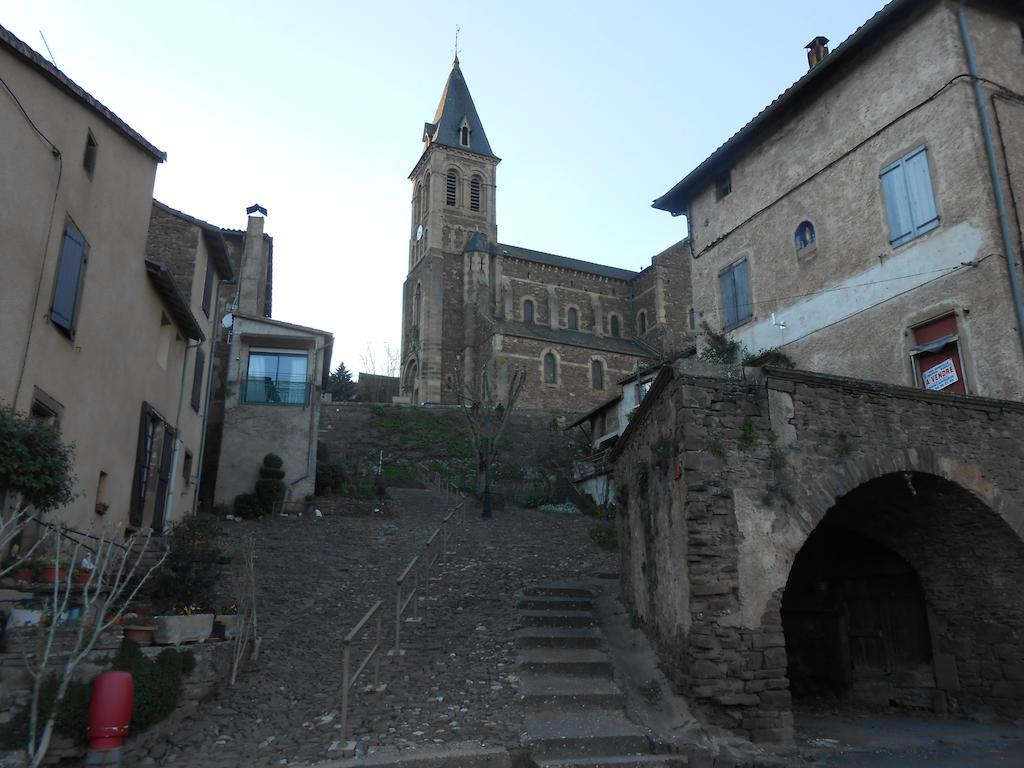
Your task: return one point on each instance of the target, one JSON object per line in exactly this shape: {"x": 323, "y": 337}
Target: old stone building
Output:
{"x": 794, "y": 537}
{"x": 867, "y": 221}
{"x": 485, "y": 307}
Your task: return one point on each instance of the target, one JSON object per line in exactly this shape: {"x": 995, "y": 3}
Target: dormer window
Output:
{"x": 464, "y": 134}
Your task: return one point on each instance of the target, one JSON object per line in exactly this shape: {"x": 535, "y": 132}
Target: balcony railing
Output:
{"x": 590, "y": 466}
{"x": 280, "y": 391}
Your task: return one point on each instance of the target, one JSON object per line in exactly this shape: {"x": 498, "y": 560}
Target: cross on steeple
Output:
{"x": 457, "y": 44}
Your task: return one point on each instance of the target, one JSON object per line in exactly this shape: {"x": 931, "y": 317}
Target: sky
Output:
{"x": 315, "y": 110}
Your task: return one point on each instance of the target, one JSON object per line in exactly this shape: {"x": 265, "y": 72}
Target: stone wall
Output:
{"x": 726, "y": 477}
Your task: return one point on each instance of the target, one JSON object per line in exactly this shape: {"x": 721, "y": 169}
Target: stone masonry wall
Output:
{"x": 726, "y": 477}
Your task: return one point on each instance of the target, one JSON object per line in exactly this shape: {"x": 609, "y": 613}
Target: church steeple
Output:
{"x": 456, "y": 122}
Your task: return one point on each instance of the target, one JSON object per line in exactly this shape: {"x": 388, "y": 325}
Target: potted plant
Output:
{"x": 184, "y": 587}
{"x": 138, "y": 627}
{"x": 225, "y": 623}
{"x": 53, "y": 569}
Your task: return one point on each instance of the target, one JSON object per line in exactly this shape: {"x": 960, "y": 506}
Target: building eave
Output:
{"x": 173, "y": 301}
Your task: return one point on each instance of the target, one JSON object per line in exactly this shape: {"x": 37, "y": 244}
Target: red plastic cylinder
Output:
{"x": 110, "y": 712}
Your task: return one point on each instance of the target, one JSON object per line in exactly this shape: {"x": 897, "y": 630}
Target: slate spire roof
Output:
{"x": 456, "y": 106}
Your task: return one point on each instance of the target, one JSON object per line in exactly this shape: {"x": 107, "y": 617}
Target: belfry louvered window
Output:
{"x": 474, "y": 193}
{"x": 451, "y": 190}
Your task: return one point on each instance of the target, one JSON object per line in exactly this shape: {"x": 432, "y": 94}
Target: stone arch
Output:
{"x": 547, "y": 355}
{"x": 529, "y": 314}
{"x": 908, "y": 590}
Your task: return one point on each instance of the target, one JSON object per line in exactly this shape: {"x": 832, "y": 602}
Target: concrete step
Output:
{"x": 544, "y": 603}
{"x": 559, "y": 637}
{"x": 568, "y": 693}
{"x": 559, "y": 590}
{"x": 567, "y": 661}
{"x": 586, "y": 733}
{"x": 621, "y": 761}
{"x": 557, "y": 618}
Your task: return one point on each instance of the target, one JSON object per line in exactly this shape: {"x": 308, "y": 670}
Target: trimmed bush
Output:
{"x": 273, "y": 461}
{"x": 247, "y": 506}
{"x": 270, "y": 488}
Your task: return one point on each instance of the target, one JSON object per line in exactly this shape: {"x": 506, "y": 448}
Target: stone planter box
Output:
{"x": 231, "y": 624}
{"x": 175, "y": 630}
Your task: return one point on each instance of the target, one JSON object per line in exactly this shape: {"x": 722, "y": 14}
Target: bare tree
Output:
{"x": 13, "y": 521}
{"x": 385, "y": 360}
{"x": 487, "y": 416}
{"x": 247, "y": 624}
{"x": 112, "y": 585}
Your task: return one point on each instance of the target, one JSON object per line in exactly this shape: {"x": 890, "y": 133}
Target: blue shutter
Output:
{"x": 742, "y": 279}
{"x": 728, "y": 297}
{"x": 924, "y": 215}
{"x": 897, "y": 203}
{"x": 69, "y": 275}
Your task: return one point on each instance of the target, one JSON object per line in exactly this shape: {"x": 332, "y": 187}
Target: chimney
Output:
{"x": 817, "y": 50}
{"x": 252, "y": 278}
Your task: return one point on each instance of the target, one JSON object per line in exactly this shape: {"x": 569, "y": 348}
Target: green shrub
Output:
{"x": 190, "y": 573}
{"x": 561, "y": 509}
{"x": 273, "y": 461}
{"x": 270, "y": 488}
{"x": 533, "y": 496}
{"x": 72, "y": 717}
{"x": 604, "y": 536}
{"x": 247, "y": 506}
{"x": 158, "y": 682}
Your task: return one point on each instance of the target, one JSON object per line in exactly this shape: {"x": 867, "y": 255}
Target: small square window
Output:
{"x": 723, "y": 185}
{"x": 89, "y": 158}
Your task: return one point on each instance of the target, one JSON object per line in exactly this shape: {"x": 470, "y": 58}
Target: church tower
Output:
{"x": 453, "y": 203}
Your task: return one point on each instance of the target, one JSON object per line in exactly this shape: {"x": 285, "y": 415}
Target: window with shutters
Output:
{"x": 614, "y": 326}
{"x": 550, "y": 368}
{"x": 597, "y": 374}
{"x": 451, "y": 195}
{"x": 528, "y": 311}
{"x": 572, "y": 320}
{"x": 474, "y": 193}
{"x": 197, "y": 379}
{"x": 211, "y": 275}
{"x": 67, "y": 289}
{"x": 909, "y": 197}
{"x": 734, "y": 282}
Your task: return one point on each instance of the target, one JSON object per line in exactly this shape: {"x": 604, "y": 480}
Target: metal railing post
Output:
{"x": 376, "y": 656}
{"x": 345, "y": 685}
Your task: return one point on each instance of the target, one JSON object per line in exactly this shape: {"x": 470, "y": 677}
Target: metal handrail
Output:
{"x": 401, "y": 605}
{"x": 348, "y": 680}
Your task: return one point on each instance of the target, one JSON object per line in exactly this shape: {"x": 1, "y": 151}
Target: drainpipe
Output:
{"x": 997, "y": 188}
{"x": 169, "y": 503}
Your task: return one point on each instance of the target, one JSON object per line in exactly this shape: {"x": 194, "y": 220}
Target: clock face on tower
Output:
{"x": 419, "y": 232}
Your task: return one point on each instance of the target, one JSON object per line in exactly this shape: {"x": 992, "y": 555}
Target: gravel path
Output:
{"x": 317, "y": 576}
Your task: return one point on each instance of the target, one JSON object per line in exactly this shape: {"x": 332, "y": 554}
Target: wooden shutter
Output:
{"x": 197, "y": 379}
{"x": 208, "y": 287}
{"x": 897, "y": 204}
{"x": 69, "y": 277}
{"x": 140, "y": 475}
{"x": 742, "y": 280}
{"x": 924, "y": 215}
{"x": 163, "y": 477}
{"x": 728, "y": 286}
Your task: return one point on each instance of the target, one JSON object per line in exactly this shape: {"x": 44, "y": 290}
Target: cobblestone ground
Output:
{"x": 456, "y": 681}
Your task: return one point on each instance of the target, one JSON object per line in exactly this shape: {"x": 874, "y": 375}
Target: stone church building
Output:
{"x": 488, "y": 308}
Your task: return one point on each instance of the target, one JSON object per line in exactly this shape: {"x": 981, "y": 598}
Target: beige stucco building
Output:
{"x": 100, "y": 333}
{"x": 272, "y": 376}
{"x": 487, "y": 308}
{"x": 855, "y": 223}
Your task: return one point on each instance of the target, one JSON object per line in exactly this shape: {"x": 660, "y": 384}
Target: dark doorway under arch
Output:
{"x": 909, "y": 593}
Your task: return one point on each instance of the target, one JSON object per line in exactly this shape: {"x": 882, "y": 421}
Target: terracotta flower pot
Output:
{"x": 140, "y": 634}
{"x": 82, "y": 575}
{"x": 25, "y": 574}
{"x": 51, "y": 573}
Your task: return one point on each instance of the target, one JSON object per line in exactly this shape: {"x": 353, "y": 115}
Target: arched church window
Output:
{"x": 550, "y": 369}
{"x": 573, "y": 319}
{"x": 616, "y": 331}
{"x": 596, "y": 374}
{"x": 418, "y": 205}
{"x": 474, "y": 193}
{"x": 451, "y": 188}
{"x": 417, "y": 303}
{"x": 528, "y": 311}
{"x": 641, "y": 324}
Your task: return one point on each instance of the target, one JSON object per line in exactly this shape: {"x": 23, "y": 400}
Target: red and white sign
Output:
{"x": 940, "y": 376}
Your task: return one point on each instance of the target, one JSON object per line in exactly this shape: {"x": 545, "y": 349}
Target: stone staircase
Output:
{"x": 575, "y": 711}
